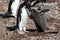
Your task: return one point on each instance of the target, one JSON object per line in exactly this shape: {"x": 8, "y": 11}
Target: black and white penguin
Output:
{"x": 22, "y": 17}
{"x": 12, "y": 8}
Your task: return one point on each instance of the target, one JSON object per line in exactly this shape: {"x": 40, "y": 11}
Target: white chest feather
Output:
{"x": 14, "y": 7}
{"x": 23, "y": 22}
{"x": 24, "y": 16}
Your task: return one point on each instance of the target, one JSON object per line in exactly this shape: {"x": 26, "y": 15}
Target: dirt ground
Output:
{"x": 13, "y": 35}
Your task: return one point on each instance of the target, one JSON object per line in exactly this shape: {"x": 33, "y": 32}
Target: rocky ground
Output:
{"x": 13, "y": 35}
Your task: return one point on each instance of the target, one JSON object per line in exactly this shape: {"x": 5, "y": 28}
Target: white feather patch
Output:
{"x": 14, "y": 7}
{"x": 23, "y": 22}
